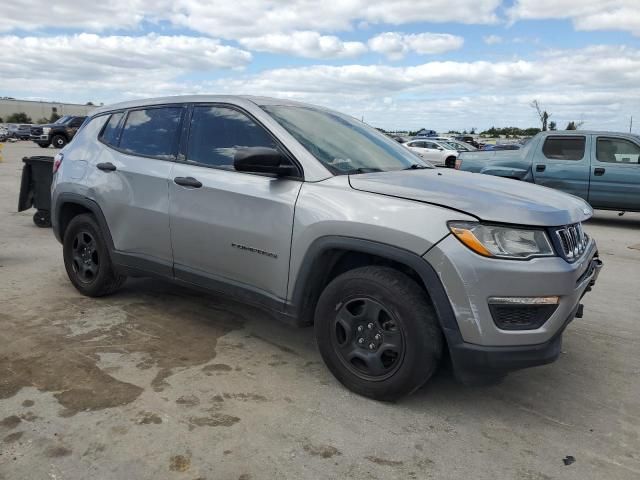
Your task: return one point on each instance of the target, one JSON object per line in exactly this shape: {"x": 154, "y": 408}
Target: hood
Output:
{"x": 488, "y": 198}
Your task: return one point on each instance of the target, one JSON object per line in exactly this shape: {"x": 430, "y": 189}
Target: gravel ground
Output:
{"x": 159, "y": 382}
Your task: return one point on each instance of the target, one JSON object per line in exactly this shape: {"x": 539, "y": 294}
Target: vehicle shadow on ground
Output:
{"x": 630, "y": 222}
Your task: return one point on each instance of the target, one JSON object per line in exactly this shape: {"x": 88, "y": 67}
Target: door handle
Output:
{"x": 187, "y": 182}
{"x": 106, "y": 167}
{"x": 540, "y": 168}
{"x": 598, "y": 172}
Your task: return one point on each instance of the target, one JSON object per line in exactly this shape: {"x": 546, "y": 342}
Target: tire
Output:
{"x": 450, "y": 162}
{"x": 44, "y": 145}
{"x": 42, "y": 219}
{"x": 402, "y": 317}
{"x": 59, "y": 141}
{"x": 89, "y": 269}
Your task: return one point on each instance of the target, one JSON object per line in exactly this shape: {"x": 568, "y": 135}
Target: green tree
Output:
{"x": 20, "y": 117}
{"x": 574, "y": 125}
{"x": 42, "y": 121}
{"x": 553, "y": 126}
{"x": 1, "y": 120}
{"x": 54, "y": 116}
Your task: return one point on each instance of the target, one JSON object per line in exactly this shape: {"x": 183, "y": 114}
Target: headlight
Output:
{"x": 46, "y": 130}
{"x": 502, "y": 242}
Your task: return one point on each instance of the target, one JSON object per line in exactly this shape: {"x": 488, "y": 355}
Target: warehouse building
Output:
{"x": 37, "y": 109}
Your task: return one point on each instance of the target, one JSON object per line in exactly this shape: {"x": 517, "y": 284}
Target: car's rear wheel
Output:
{"x": 378, "y": 333}
{"x": 59, "y": 141}
{"x": 86, "y": 258}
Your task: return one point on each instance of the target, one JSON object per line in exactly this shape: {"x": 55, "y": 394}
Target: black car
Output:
{"x": 57, "y": 134}
{"x": 467, "y": 139}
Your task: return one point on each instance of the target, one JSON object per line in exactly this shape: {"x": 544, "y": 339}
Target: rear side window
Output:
{"x": 617, "y": 150}
{"x": 216, "y": 133}
{"x": 110, "y": 132}
{"x": 564, "y": 148}
{"x": 152, "y": 132}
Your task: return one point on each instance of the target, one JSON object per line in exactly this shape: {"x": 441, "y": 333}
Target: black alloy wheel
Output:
{"x": 368, "y": 339}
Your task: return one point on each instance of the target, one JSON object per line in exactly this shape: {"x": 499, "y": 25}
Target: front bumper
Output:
{"x": 477, "y": 346}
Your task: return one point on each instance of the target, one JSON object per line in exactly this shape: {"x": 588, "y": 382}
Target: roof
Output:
{"x": 235, "y": 99}
{"x": 585, "y": 132}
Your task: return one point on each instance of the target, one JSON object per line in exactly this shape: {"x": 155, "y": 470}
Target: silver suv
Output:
{"x": 322, "y": 220}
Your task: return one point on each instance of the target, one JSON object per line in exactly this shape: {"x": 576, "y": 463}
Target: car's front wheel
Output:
{"x": 378, "y": 333}
{"x": 86, "y": 258}
{"x": 59, "y": 141}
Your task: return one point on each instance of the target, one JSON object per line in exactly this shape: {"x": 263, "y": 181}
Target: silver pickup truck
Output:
{"x": 323, "y": 220}
{"x": 601, "y": 167}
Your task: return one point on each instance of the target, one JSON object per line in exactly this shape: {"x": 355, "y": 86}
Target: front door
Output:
{"x": 562, "y": 163}
{"x": 230, "y": 230}
{"x": 615, "y": 174}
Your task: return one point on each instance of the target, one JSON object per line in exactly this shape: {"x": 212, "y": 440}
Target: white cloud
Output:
{"x": 242, "y": 18}
{"x": 396, "y": 45}
{"x": 304, "y": 44}
{"x": 492, "y": 39}
{"x": 68, "y": 65}
{"x": 585, "y": 14}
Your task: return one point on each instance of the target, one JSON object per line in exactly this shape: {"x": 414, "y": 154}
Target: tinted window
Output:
{"x": 217, "y": 132}
{"x": 617, "y": 150}
{"x": 76, "y": 122}
{"x": 564, "y": 148}
{"x": 151, "y": 132}
{"x": 110, "y": 132}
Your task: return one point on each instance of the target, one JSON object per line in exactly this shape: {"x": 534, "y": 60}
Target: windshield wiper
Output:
{"x": 415, "y": 166}
{"x": 363, "y": 170}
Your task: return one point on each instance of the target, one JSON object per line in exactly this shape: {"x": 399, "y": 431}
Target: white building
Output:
{"x": 37, "y": 110}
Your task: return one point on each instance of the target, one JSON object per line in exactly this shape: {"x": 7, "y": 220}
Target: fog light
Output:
{"x": 522, "y": 313}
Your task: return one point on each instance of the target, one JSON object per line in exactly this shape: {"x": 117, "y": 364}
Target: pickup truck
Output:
{"x": 58, "y": 133}
{"x": 601, "y": 167}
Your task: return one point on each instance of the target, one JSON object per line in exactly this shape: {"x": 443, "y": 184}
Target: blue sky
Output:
{"x": 443, "y": 64}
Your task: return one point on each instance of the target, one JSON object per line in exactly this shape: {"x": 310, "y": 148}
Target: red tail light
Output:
{"x": 57, "y": 161}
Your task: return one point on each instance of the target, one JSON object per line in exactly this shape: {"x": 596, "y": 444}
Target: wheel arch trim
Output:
{"x": 66, "y": 198}
{"x": 304, "y": 280}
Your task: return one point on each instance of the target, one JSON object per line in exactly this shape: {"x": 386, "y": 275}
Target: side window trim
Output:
{"x": 176, "y": 140}
{"x": 183, "y": 151}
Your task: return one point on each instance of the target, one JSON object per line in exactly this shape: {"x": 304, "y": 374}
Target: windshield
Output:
{"x": 343, "y": 144}
{"x": 64, "y": 119}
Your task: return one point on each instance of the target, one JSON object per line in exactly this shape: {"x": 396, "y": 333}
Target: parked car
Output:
{"x": 323, "y": 220}
{"x": 439, "y": 154}
{"x": 19, "y": 131}
{"x": 4, "y": 134}
{"x": 58, "y": 133}
{"x": 461, "y": 146}
{"x": 501, "y": 146}
{"x": 600, "y": 167}
{"x": 467, "y": 139}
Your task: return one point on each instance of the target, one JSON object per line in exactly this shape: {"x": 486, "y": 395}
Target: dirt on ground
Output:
{"x": 157, "y": 382}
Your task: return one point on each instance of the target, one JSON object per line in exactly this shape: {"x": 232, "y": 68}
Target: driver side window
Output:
{"x": 216, "y": 133}
{"x": 617, "y": 150}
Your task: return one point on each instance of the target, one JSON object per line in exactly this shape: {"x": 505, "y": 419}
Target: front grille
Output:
{"x": 521, "y": 317}
{"x": 573, "y": 241}
{"x": 36, "y": 131}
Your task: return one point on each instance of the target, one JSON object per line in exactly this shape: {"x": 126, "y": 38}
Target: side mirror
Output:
{"x": 263, "y": 160}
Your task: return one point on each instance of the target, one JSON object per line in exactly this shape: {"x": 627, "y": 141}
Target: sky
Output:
{"x": 438, "y": 64}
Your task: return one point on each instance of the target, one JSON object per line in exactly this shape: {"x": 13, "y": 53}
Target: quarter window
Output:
{"x": 216, "y": 133}
{"x": 110, "y": 132}
{"x": 152, "y": 132}
{"x": 564, "y": 148}
{"x": 617, "y": 150}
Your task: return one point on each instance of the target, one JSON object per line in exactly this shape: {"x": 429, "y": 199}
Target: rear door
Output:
{"x": 561, "y": 162}
{"x": 615, "y": 173}
{"x": 230, "y": 230}
{"x": 130, "y": 180}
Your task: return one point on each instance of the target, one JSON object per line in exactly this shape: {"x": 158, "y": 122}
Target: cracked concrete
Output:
{"x": 160, "y": 382}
